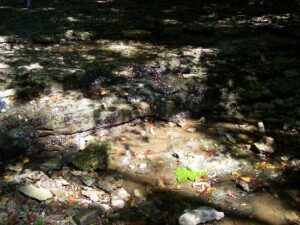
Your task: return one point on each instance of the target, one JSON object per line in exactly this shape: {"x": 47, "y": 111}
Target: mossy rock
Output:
{"x": 94, "y": 156}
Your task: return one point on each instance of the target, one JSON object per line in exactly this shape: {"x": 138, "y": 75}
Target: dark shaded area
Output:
{"x": 256, "y": 64}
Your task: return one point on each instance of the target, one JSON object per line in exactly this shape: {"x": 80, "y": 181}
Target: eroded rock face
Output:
{"x": 59, "y": 120}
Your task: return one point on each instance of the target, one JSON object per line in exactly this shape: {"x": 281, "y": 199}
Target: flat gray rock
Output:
{"x": 263, "y": 148}
{"x": 88, "y": 181}
{"x": 106, "y": 186}
{"x": 201, "y": 215}
{"x": 32, "y": 191}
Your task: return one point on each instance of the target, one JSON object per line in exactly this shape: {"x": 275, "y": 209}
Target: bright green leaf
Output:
{"x": 192, "y": 175}
{"x": 184, "y": 174}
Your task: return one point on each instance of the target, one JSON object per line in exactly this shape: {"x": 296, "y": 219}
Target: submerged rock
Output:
{"x": 201, "y": 215}
{"x": 32, "y": 191}
{"x": 94, "y": 156}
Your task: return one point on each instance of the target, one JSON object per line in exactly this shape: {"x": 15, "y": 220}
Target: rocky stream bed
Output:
{"x": 136, "y": 112}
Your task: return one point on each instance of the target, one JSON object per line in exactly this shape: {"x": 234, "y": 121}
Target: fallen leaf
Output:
{"x": 149, "y": 125}
{"x": 31, "y": 217}
{"x": 209, "y": 189}
{"x": 246, "y": 179}
{"x": 71, "y": 200}
{"x": 148, "y": 153}
{"x": 236, "y": 174}
{"x": 202, "y": 179}
{"x": 205, "y": 191}
{"x": 25, "y": 160}
{"x": 264, "y": 165}
{"x": 118, "y": 152}
{"x": 197, "y": 149}
{"x": 284, "y": 165}
{"x": 161, "y": 182}
{"x": 210, "y": 153}
{"x": 183, "y": 174}
{"x": 103, "y": 92}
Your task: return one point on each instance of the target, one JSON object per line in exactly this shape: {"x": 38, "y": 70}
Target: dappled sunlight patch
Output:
{"x": 88, "y": 57}
{"x": 33, "y": 66}
{"x": 103, "y": 1}
{"x": 72, "y": 19}
{"x": 266, "y": 20}
{"x": 4, "y": 66}
{"x": 45, "y": 9}
{"x": 122, "y": 48}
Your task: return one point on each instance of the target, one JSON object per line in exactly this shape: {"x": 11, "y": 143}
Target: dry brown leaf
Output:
{"x": 148, "y": 153}
{"x": 149, "y": 125}
{"x": 25, "y": 160}
{"x": 236, "y": 174}
{"x": 265, "y": 165}
{"x": 162, "y": 182}
{"x": 118, "y": 152}
{"x": 207, "y": 190}
{"x": 103, "y": 92}
{"x": 71, "y": 200}
{"x": 210, "y": 153}
{"x": 31, "y": 217}
{"x": 246, "y": 179}
{"x": 197, "y": 149}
